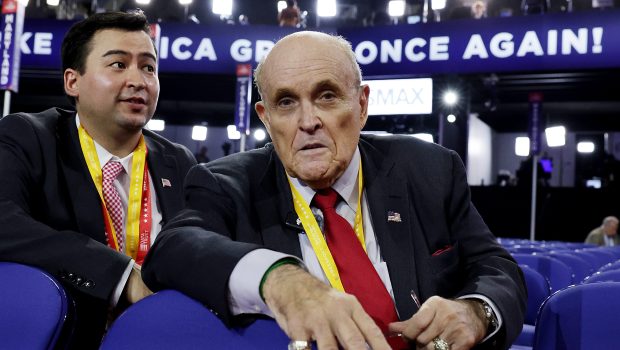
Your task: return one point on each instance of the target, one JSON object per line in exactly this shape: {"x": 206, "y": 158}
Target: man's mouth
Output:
{"x": 135, "y": 100}
{"x": 312, "y": 146}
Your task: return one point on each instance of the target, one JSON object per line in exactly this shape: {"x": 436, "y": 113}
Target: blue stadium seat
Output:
{"x": 580, "y": 317}
{"x": 171, "y": 320}
{"x": 527, "y": 249}
{"x": 581, "y": 267}
{"x": 557, "y": 273}
{"x": 594, "y": 256}
{"x": 606, "y": 276}
{"x": 537, "y": 291}
{"x": 33, "y": 308}
{"x": 612, "y": 266}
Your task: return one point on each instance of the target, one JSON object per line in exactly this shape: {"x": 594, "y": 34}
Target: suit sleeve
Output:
{"x": 195, "y": 253}
{"x": 490, "y": 270}
{"x": 73, "y": 258}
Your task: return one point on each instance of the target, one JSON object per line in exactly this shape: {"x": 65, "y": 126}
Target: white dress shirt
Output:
{"x": 122, "y": 187}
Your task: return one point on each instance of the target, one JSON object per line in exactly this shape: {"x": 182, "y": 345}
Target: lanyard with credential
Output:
{"x": 317, "y": 240}
{"x": 138, "y": 230}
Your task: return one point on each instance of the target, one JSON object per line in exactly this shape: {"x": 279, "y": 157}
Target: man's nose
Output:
{"x": 310, "y": 120}
{"x": 135, "y": 78}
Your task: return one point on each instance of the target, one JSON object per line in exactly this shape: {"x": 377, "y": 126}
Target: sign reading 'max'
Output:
{"x": 400, "y": 96}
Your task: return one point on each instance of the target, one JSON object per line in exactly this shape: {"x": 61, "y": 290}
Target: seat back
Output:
{"x": 527, "y": 249}
{"x": 581, "y": 267}
{"x": 594, "y": 257}
{"x": 537, "y": 291}
{"x": 580, "y": 317}
{"x": 610, "y": 275}
{"x": 612, "y": 266}
{"x": 171, "y": 320}
{"x": 557, "y": 273}
{"x": 33, "y": 308}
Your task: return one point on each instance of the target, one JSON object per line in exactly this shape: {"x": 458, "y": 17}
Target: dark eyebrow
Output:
{"x": 282, "y": 92}
{"x": 125, "y": 53}
{"x": 327, "y": 85}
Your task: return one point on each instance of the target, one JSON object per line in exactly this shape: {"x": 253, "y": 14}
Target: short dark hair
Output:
{"x": 77, "y": 42}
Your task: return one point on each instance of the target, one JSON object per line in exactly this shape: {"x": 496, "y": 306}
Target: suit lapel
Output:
{"x": 162, "y": 168}
{"x": 82, "y": 191}
{"x": 274, "y": 205}
{"x": 389, "y": 204}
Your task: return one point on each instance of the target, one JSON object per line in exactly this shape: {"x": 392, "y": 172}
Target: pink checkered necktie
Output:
{"x": 112, "y": 200}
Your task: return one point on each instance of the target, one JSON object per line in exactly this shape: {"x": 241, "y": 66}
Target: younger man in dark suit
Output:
{"x": 83, "y": 194}
{"x": 395, "y": 222}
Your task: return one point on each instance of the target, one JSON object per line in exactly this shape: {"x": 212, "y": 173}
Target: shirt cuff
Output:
{"x": 498, "y": 316}
{"x": 244, "y": 282}
{"x": 118, "y": 290}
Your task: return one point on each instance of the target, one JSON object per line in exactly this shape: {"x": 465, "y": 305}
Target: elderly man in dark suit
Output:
{"x": 83, "y": 195}
{"x": 337, "y": 236}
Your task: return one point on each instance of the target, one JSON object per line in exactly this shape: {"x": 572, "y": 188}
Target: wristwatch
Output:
{"x": 490, "y": 316}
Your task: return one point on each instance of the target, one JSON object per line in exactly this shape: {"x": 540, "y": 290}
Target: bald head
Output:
{"x": 312, "y": 105}
{"x": 300, "y": 44}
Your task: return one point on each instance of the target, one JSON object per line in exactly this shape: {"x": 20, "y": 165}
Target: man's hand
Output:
{"x": 135, "y": 289}
{"x": 461, "y": 323}
{"x": 308, "y": 309}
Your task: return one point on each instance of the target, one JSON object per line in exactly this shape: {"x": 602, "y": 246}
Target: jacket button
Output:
{"x": 88, "y": 284}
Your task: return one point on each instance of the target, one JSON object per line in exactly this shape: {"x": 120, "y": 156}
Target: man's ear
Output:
{"x": 261, "y": 110}
{"x": 363, "y": 100}
{"x": 71, "y": 80}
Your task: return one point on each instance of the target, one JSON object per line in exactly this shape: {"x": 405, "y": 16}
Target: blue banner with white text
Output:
{"x": 11, "y": 24}
{"x": 243, "y": 97}
{"x": 567, "y": 41}
{"x": 527, "y": 43}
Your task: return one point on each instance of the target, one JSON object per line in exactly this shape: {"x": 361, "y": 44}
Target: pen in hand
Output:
{"x": 416, "y": 300}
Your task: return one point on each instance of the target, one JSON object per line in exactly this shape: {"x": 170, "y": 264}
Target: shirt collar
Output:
{"x": 346, "y": 184}
{"x": 105, "y": 156}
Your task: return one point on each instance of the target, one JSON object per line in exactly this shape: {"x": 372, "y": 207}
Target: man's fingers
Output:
{"x": 419, "y": 322}
{"x": 347, "y": 333}
{"x": 370, "y": 331}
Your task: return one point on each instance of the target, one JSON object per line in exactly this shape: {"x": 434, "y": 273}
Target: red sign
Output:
{"x": 9, "y": 6}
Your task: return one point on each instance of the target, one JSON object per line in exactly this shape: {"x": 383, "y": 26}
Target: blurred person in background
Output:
{"x": 478, "y": 9}
{"x": 290, "y": 15}
{"x": 606, "y": 234}
{"x": 202, "y": 156}
{"x": 67, "y": 177}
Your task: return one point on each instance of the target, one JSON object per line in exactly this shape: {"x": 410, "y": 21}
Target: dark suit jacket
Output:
{"x": 246, "y": 198}
{"x": 51, "y": 215}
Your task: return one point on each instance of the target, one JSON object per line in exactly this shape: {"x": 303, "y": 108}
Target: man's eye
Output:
{"x": 328, "y": 96}
{"x": 285, "y": 102}
{"x": 118, "y": 65}
{"x": 149, "y": 68}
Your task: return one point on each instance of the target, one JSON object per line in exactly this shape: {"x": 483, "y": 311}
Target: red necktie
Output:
{"x": 356, "y": 271}
{"x": 113, "y": 203}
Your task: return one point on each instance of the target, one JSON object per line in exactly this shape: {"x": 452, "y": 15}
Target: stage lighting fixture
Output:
{"x": 156, "y": 125}
{"x": 522, "y": 146}
{"x": 556, "y": 136}
{"x": 199, "y": 133}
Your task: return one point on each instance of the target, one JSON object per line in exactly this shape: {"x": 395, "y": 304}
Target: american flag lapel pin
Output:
{"x": 165, "y": 183}
{"x": 393, "y": 216}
